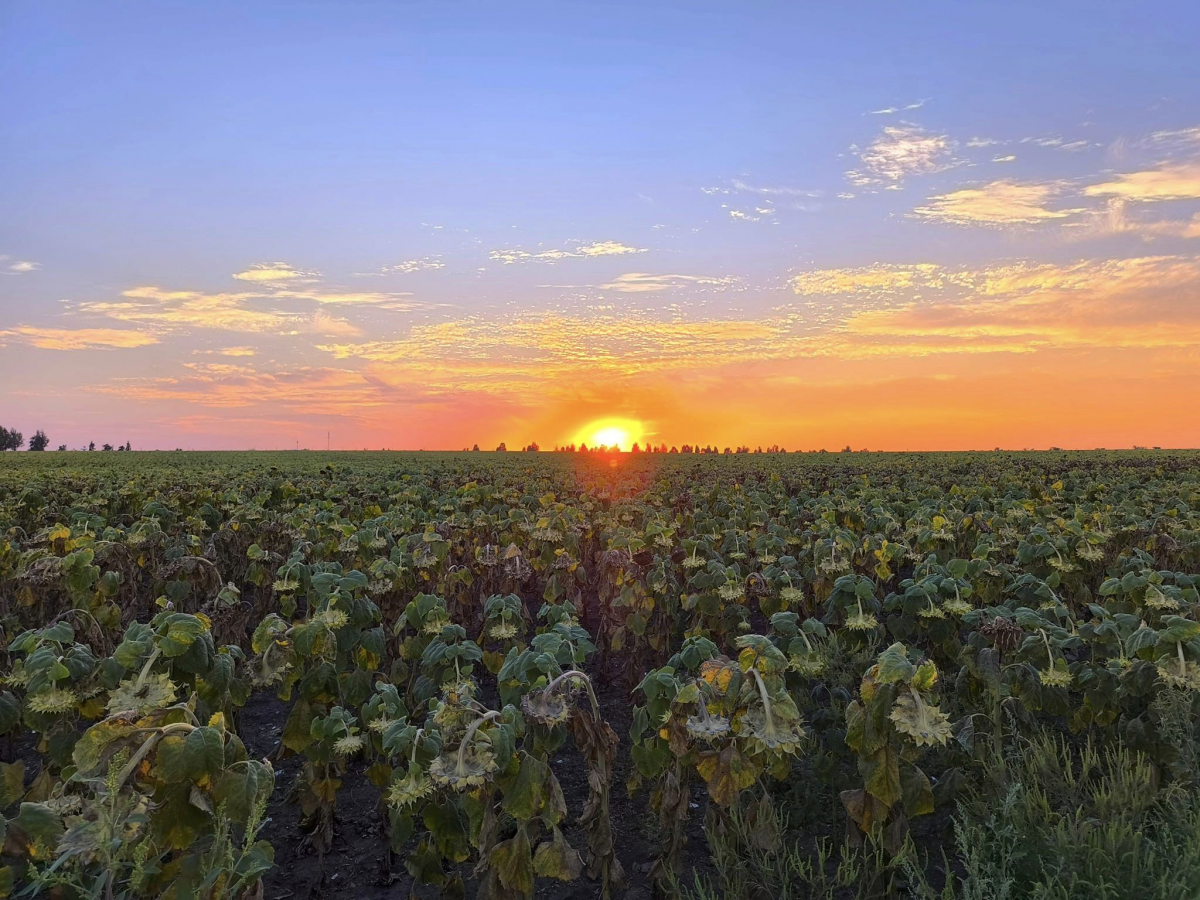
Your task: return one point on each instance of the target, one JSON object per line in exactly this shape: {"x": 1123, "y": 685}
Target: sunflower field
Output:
{"x": 508, "y": 675}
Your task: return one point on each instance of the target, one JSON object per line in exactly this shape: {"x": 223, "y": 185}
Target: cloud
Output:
{"x": 533, "y": 355}
{"x": 889, "y": 110}
{"x": 583, "y": 251}
{"x": 902, "y": 151}
{"x": 999, "y": 159}
{"x": 997, "y": 203}
{"x": 1140, "y": 303}
{"x": 739, "y": 215}
{"x": 164, "y": 309}
{"x": 1119, "y": 216}
{"x": 1170, "y": 181}
{"x": 767, "y": 191}
{"x": 271, "y": 273}
{"x": 227, "y": 351}
{"x": 644, "y": 282}
{"x": 78, "y": 338}
{"x": 414, "y": 265}
{"x": 864, "y": 280}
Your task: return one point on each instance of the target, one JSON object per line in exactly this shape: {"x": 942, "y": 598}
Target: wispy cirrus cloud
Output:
{"x": 77, "y": 338}
{"x": 900, "y": 152}
{"x": 276, "y": 273}
{"x": 891, "y": 110}
{"x": 645, "y": 282}
{"x": 157, "y": 308}
{"x": 582, "y": 251}
{"x": 1001, "y": 202}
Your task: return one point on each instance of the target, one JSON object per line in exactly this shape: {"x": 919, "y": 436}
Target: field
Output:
{"x": 507, "y": 675}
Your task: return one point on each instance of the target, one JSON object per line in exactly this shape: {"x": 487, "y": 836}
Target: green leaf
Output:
{"x": 12, "y": 784}
{"x": 182, "y": 630}
{"x": 894, "y": 665}
{"x": 917, "y": 792}
{"x": 881, "y": 774}
{"x": 90, "y": 750}
{"x": 513, "y": 863}
{"x": 240, "y": 788}
{"x": 204, "y": 753}
{"x": 556, "y": 858}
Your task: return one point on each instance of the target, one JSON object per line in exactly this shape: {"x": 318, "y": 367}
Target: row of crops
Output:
{"x": 889, "y": 633}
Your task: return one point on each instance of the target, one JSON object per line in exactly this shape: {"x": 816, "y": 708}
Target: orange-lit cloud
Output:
{"x": 583, "y": 251}
{"x": 77, "y": 338}
{"x": 1170, "y": 181}
{"x": 996, "y": 203}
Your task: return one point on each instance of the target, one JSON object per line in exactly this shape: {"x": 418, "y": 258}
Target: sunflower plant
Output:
{"x": 892, "y": 722}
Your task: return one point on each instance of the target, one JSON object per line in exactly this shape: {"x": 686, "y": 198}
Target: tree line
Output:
{"x": 11, "y": 439}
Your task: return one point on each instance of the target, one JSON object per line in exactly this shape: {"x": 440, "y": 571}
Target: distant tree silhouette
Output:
{"x": 475, "y": 449}
{"x": 10, "y": 439}
{"x": 532, "y": 448}
{"x": 62, "y": 447}
{"x": 502, "y": 448}
{"x": 106, "y": 447}
{"x": 91, "y": 445}
{"x": 39, "y": 441}
{"x": 128, "y": 447}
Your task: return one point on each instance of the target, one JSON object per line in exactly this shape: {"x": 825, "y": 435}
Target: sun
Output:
{"x": 623, "y": 433}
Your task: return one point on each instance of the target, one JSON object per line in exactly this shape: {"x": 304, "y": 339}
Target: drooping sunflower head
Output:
{"x": 926, "y": 725}
{"x": 333, "y": 619}
{"x": 547, "y": 708}
{"x": 1182, "y": 675}
{"x": 1055, "y": 677}
{"x": 349, "y": 745}
{"x": 465, "y": 769}
{"x": 156, "y": 692}
{"x": 707, "y": 728}
{"x": 414, "y": 787}
{"x": 809, "y": 665}
{"x": 764, "y": 732}
{"x": 502, "y": 631}
{"x": 861, "y": 621}
{"x": 54, "y": 700}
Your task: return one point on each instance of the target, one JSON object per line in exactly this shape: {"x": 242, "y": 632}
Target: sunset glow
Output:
{"x": 622, "y": 433}
{"x": 333, "y": 232}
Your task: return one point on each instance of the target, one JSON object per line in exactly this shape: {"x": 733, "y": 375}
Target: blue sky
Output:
{"x": 577, "y": 177}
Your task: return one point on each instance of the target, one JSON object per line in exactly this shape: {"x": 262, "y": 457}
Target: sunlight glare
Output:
{"x": 622, "y": 433}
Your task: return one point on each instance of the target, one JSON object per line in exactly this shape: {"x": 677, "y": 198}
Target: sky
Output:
{"x": 426, "y": 225}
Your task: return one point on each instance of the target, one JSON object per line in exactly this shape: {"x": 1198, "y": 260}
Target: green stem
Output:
{"x": 575, "y": 674}
{"x": 766, "y": 700}
{"x": 470, "y": 733}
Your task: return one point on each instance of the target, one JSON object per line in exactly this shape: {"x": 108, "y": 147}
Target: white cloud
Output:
{"x": 767, "y": 191}
{"x": 584, "y": 251}
{"x": 19, "y": 267}
{"x": 415, "y": 265}
{"x": 900, "y": 152}
{"x": 270, "y": 273}
{"x": 645, "y": 282}
{"x": 889, "y": 110}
